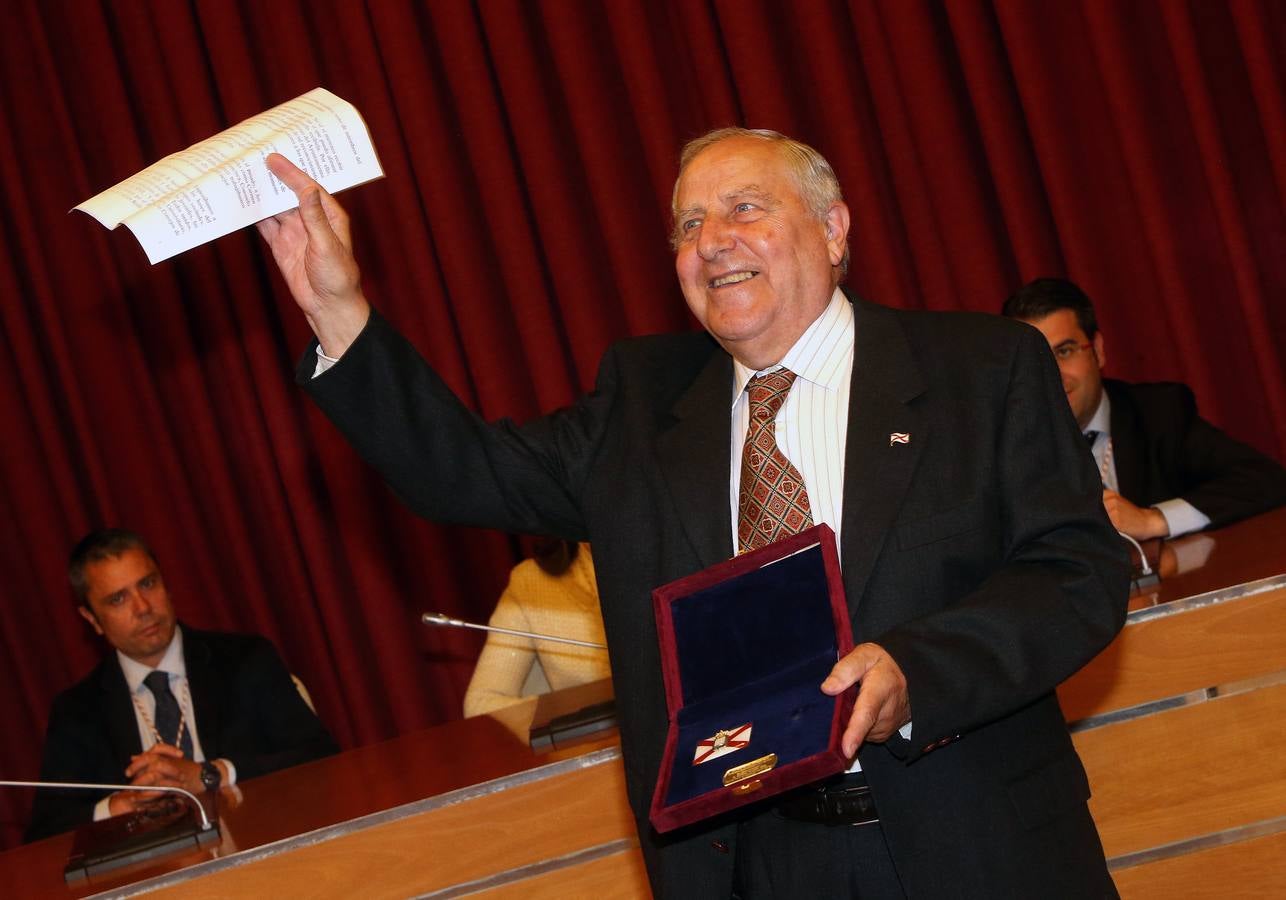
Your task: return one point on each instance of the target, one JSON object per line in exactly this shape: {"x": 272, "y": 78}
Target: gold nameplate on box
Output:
{"x": 750, "y": 770}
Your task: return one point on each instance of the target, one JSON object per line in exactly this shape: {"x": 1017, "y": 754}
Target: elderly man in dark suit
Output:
{"x": 171, "y": 705}
{"x": 1166, "y": 471}
{"x": 979, "y": 567}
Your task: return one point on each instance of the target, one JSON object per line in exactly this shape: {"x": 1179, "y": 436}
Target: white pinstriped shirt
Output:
{"x": 812, "y": 425}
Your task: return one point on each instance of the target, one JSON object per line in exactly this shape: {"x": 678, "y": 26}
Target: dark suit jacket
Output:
{"x": 247, "y": 710}
{"x": 1164, "y": 449}
{"x": 978, "y": 554}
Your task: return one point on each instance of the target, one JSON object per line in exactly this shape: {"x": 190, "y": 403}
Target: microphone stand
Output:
{"x": 206, "y": 824}
{"x": 442, "y": 619}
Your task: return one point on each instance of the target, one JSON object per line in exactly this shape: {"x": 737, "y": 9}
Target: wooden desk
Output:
{"x": 468, "y": 804}
{"x": 1245, "y": 552}
{"x": 464, "y": 802}
{"x": 1180, "y": 723}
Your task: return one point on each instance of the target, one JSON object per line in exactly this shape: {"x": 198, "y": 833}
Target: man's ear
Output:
{"x": 1099, "y": 353}
{"x": 837, "y": 231}
{"x": 88, "y": 615}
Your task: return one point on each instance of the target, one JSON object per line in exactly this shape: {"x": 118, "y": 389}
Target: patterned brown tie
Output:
{"x": 772, "y": 502}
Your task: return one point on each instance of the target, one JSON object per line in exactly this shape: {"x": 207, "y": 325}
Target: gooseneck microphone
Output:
{"x": 1143, "y": 557}
{"x": 442, "y": 619}
{"x": 206, "y": 824}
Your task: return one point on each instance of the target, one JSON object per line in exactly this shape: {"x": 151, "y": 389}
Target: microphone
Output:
{"x": 442, "y": 619}
{"x": 206, "y": 824}
{"x": 1143, "y": 557}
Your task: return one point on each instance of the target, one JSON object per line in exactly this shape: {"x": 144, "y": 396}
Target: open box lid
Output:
{"x": 742, "y": 620}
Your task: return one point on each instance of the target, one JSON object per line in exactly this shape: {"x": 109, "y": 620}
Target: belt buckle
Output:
{"x": 844, "y": 804}
{"x": 832, "y": 805}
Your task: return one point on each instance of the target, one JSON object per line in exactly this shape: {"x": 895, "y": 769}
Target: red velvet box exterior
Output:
{"x": 751, "y": 640}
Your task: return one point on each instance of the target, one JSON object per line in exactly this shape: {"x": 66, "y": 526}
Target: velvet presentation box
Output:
{"x": 745, "y": 646}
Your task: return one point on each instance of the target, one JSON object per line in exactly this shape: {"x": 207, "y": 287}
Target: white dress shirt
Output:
{"x": 812, "y": 424}
{"x": 1181, "y": 517}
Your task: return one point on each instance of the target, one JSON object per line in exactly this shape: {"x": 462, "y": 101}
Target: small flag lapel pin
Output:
{"x": 899, "y": 437}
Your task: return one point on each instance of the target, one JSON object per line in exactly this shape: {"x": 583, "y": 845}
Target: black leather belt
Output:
{"x": 846, "y": 801}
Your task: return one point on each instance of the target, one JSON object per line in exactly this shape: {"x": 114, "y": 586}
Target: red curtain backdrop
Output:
{"x": 530, "y": 148}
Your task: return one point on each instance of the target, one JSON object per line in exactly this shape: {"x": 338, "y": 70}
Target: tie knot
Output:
{"x": 158, "y": 683}
{"x": 767, "y": 393}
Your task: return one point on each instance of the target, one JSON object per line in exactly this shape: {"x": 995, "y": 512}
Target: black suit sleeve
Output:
{"x": 1057, "y": 592}
{"x": 264, "y": 724}
{"x": 77, "y": 749}
{"x": 403, "y": 420}
{"x": 1222, "y": 477}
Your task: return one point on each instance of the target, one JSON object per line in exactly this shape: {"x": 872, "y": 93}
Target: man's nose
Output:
{"x": 139, "y": 603}
{"x": 716, "y": 236}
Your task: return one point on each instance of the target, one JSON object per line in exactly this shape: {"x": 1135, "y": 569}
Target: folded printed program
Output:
{"x": 221, "y": 184}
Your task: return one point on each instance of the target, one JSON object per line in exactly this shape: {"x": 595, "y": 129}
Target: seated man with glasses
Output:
{"x": 1166, "y": 471}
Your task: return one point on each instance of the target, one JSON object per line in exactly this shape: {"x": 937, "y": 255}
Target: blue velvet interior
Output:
{"x": 754, "y": 649}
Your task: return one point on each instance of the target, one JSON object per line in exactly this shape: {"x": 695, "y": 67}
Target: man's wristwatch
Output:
{"x": 210, "y": 776}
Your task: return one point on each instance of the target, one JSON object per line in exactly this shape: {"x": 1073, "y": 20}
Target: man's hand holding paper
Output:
{"x": 314, "y": 250}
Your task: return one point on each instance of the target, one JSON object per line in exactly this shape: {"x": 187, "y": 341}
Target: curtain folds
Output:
{"x": 530, "y": 149}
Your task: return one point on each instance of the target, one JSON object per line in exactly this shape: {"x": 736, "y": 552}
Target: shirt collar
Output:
{"x": 819, "y": 353}
{"x": 1101, "y": 421}
{"x": 172, "y": 663}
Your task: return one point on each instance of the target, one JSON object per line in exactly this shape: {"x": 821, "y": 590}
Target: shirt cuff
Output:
{"x": 102, "y": 809}
{"x": 1181, "y": 516}
{"x": 232, "y": 772}
{"x": 905, "y": 731}
{"x": 324, "y": 362}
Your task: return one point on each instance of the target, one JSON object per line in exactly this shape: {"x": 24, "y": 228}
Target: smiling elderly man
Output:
{"x": 171, "y": 706}
{"x": 979, "y": 566}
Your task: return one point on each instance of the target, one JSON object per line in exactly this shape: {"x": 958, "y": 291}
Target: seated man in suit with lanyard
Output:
{"x": 171, "y": 706}
{"x": 1166, "y": 471}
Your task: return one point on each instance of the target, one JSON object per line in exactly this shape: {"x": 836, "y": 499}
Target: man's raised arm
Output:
{"x": 314, "y": 250}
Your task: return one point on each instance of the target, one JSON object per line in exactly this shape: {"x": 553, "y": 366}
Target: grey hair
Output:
{"x": 812, "y": 173}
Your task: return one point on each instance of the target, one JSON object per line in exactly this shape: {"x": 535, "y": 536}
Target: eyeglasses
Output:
{"x": 1066, "y": 352}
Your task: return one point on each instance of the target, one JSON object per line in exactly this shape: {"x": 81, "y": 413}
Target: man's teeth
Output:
{"x": 732, "y": 278}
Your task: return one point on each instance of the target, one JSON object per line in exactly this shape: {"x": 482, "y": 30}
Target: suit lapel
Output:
{"x": 693, "y": 456}
{"x": 1127, "y": 447}
{"x": 202, "y": 682}
{"x": 877, "y": 469}
{"x": 118, "y": 709}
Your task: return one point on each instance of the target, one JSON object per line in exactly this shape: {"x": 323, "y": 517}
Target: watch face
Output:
{"x": 210, "y": 776}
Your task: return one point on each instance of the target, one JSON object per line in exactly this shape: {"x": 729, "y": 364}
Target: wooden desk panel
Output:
{"x": 1189, "y": 771}
{"x": 487, "y": 836}
{"x": 1253, "y": 869}
{"x": 618, "y": 877}
{"x": 1197, "y": 648}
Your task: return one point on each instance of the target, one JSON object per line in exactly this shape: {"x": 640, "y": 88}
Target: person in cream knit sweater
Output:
{"x": 554, "y": 593}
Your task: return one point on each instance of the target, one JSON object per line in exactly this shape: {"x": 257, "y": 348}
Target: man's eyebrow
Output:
{"x": 751, "y": 191}
{"x": 747, "y": 190}
{"x": 1065, "y": 342}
